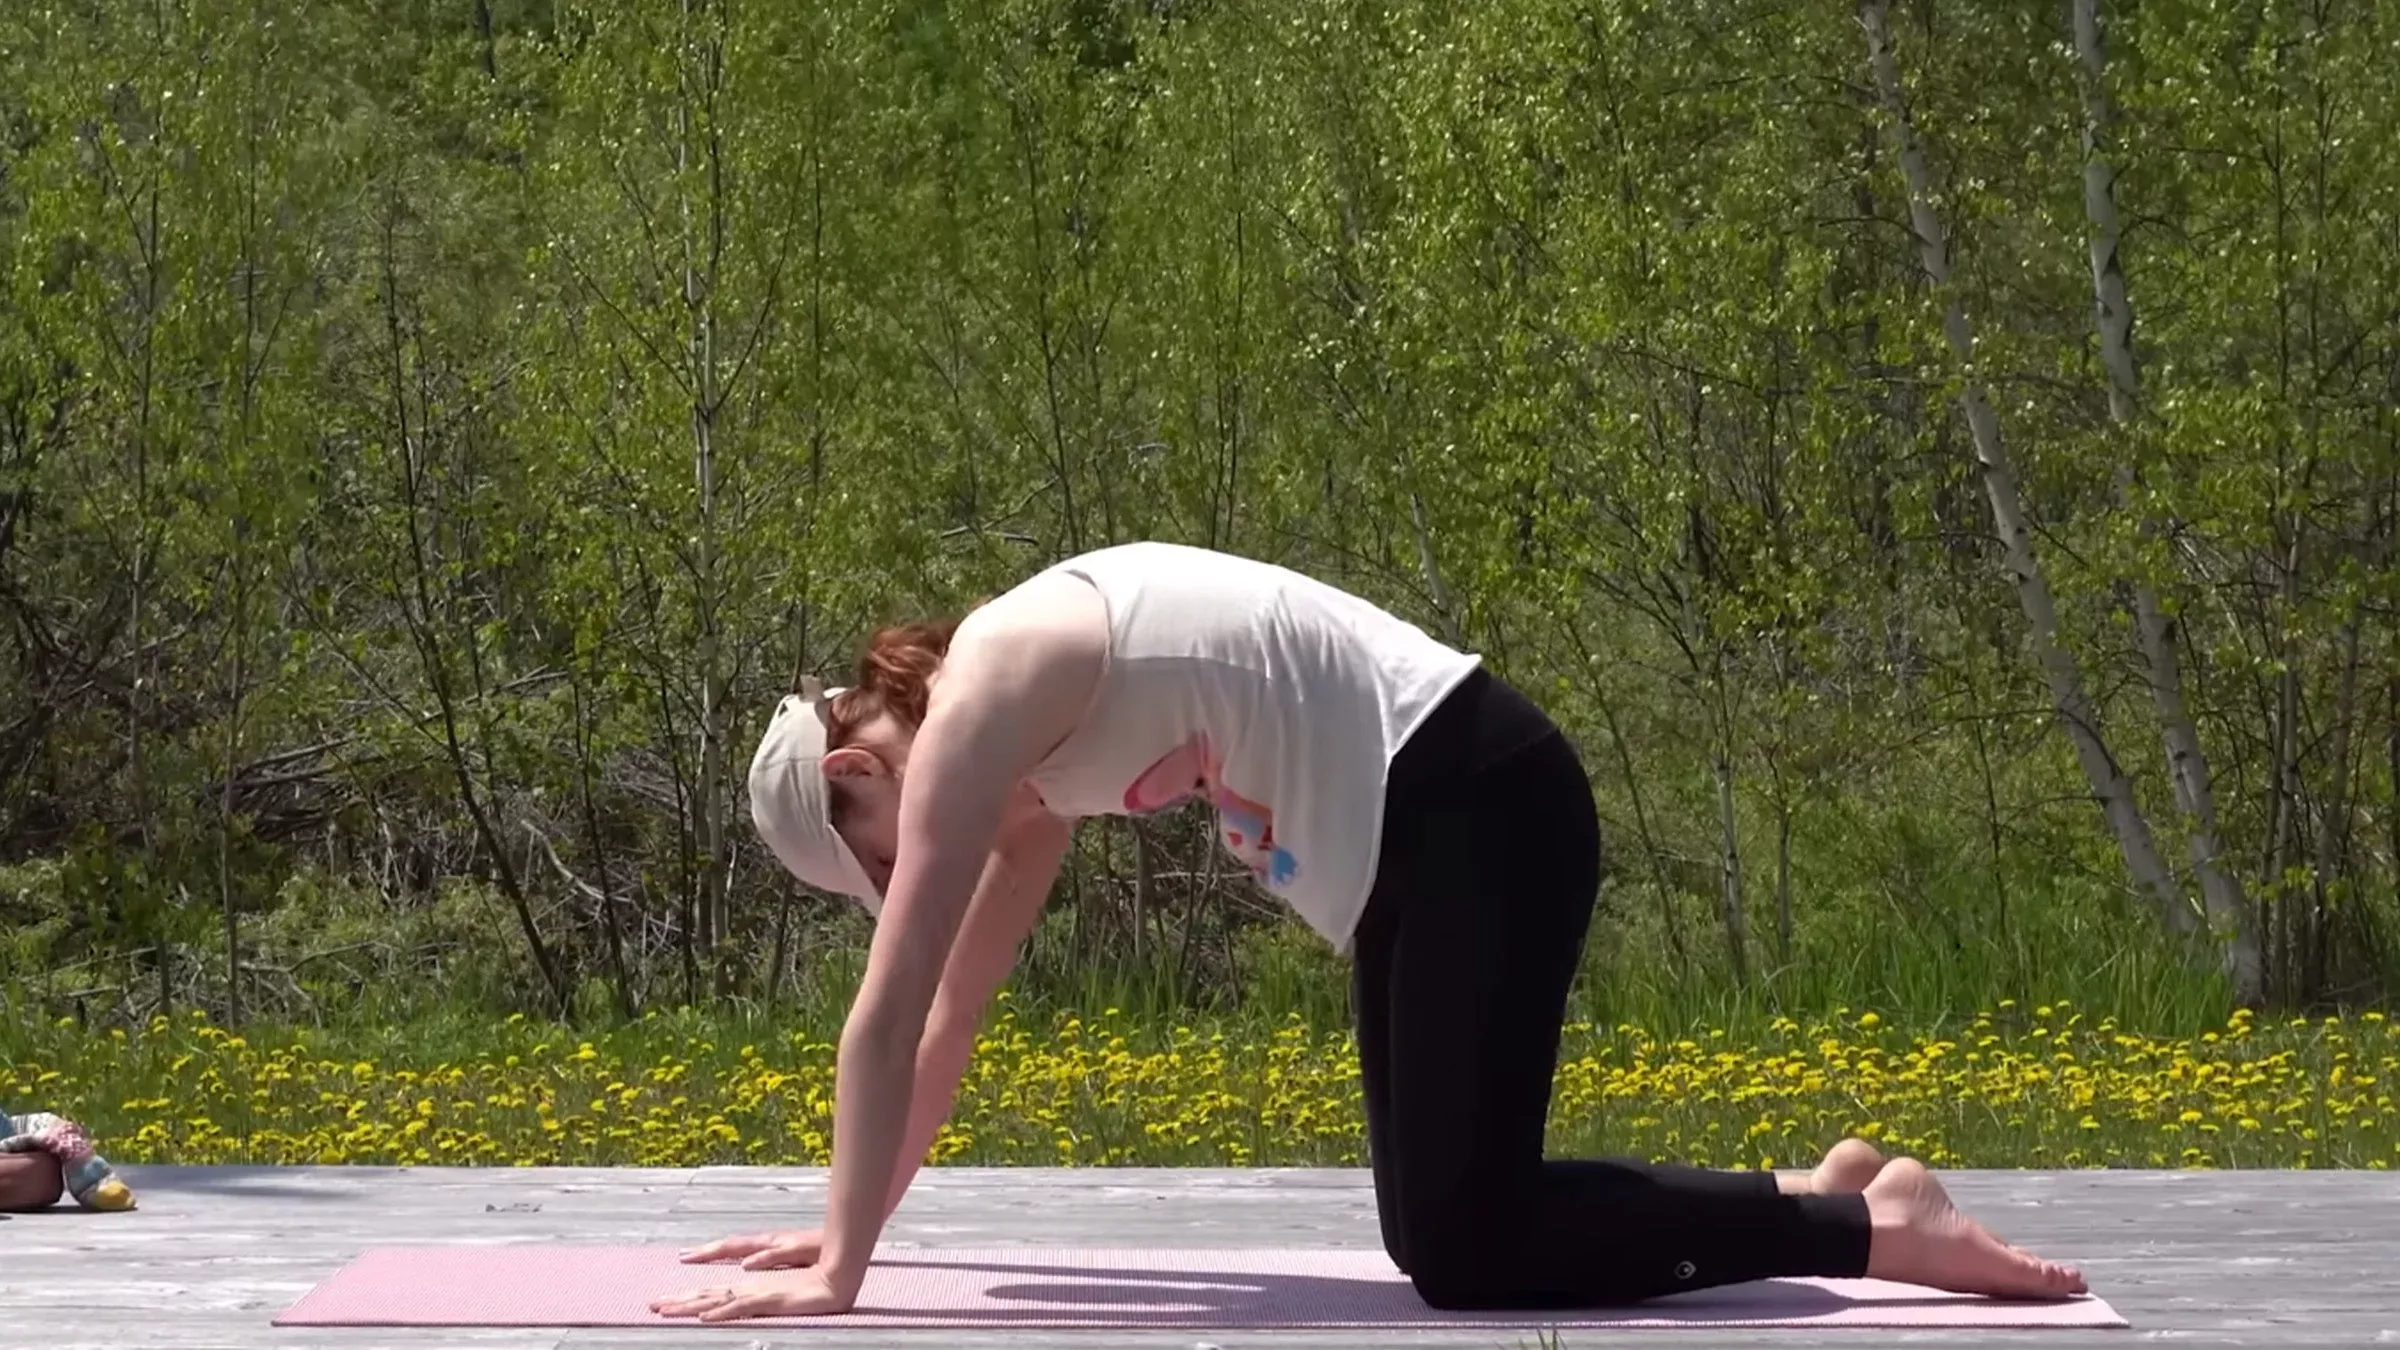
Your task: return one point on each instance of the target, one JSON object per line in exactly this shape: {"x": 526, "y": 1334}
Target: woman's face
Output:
{"x": 865, "y": 776}
{"x": 867, "y": 813}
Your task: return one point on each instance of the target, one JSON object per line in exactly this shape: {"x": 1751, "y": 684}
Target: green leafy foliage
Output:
{"x": 432, "y": 436}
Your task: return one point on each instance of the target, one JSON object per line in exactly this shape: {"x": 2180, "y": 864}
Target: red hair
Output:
{"x": 892, "y": 676}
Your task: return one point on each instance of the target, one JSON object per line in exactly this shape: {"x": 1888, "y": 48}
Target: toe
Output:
{"x": 2054, "y": 1278}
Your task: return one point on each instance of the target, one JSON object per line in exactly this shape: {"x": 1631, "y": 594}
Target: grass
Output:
{"x": 2094, "y": 1046}
{"x": 2012, "y": 1086}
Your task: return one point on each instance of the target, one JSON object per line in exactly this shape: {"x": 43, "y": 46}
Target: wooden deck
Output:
{"x": 2206, "y": 1259}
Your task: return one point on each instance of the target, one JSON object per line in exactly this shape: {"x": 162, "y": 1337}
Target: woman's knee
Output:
{"x": 1488, "y": 1291}
{"x": 1453, "y": 1291}
{"x": 1491, "y": 1277}
{"x": 29, "y": 1181}
{"x": 1454, "y": 1277}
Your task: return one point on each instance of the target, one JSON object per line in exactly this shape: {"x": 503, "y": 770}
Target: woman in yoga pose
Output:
{"x": 1418, "y": 813}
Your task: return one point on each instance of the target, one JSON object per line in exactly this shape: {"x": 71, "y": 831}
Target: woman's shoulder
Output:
{"x": 1042, "y": 641}
{"x": 1050, "y": 606}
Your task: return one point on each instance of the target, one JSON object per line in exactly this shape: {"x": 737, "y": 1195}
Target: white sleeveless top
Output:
{"x": 1278, "y": 698}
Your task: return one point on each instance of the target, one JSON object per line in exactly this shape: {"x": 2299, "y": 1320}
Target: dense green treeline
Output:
{"x": 1939, "y": 459}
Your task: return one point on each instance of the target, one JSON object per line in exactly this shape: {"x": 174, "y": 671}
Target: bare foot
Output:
{"x": 1848, "y": 1167}
{"x": 1921, "y": 1238}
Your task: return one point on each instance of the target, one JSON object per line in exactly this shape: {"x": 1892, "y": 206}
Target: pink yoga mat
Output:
{"x": 1053, "y": 1287}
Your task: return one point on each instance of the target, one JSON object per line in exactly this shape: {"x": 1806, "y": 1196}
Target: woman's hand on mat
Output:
{"x": 765, "y": 1251}
{"x": 809, "y": 1293}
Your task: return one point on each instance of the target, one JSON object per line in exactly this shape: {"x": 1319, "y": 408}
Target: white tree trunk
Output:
{"x": 1730, "y": 870}
{"x": 2074, "y": 707}
{"x": 2221, "y": 895}
{"x": 700, "y": 307}
{"x": 1445, "y": 608}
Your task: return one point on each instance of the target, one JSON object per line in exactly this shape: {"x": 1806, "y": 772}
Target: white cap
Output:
{"x": 789, "y": 802}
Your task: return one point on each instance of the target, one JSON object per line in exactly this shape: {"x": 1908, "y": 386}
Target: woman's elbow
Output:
{"x": 884, "y": 1034}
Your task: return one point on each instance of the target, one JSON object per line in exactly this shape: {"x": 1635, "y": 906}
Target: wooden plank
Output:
{"x": 2239, "y": 1259}
{"x": 214, "y": 1253}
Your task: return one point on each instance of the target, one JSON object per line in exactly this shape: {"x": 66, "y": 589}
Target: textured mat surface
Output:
{"x": 1046, "y": 1287}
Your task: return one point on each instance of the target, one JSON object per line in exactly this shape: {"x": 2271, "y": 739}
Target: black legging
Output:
{"x": 1470, "y": 938}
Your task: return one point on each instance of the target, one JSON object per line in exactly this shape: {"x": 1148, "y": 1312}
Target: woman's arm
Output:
{"x": 1003, "y": 913}
{"x": 1008, "y": 901}
{"x": 1017, "y": 678}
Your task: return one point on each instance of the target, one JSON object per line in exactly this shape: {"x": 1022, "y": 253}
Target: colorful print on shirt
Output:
{"x": 1248, "y": 827}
